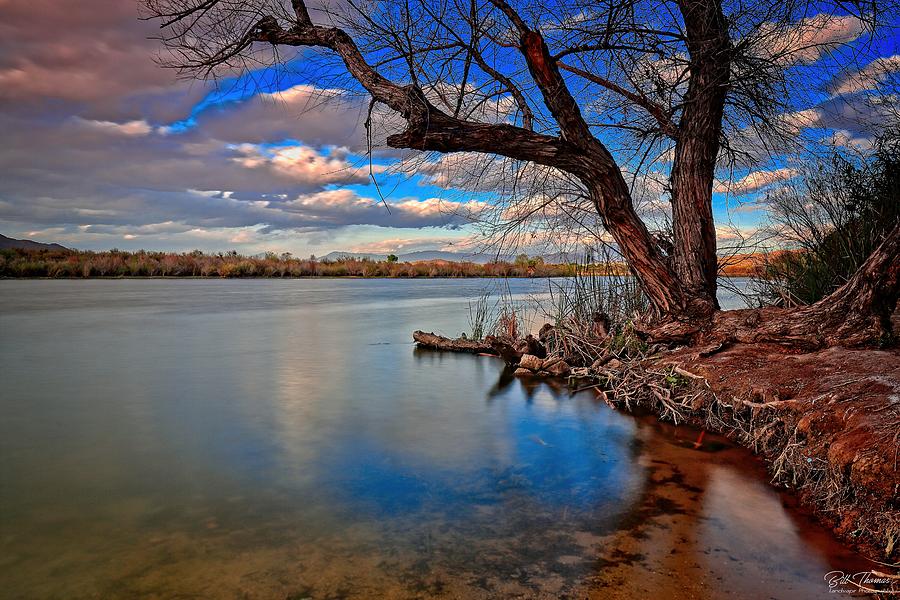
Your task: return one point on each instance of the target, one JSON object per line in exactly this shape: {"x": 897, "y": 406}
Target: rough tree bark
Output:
{"x": 697, "y": 148}
{"x": 856, "y": 314}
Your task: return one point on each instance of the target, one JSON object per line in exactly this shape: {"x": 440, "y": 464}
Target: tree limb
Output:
{"x": 428, "y": 128}
{"x": 656, "y": 111}
{"x": 546, "y": 75}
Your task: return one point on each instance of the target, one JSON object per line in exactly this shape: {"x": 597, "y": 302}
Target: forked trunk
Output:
{"x": 697, "y": 149}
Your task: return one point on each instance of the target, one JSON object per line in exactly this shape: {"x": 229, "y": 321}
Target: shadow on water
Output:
{"x": 273, "y": 439}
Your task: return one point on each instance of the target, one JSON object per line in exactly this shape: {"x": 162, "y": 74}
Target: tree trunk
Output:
{"x": 856, "y": 314}
{"x": 697, "y": 149}
{"x": 640, "y": 251}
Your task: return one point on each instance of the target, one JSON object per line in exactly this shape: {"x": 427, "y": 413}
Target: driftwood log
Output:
{"x": 509, "y": 350}
{"x": 439, "y": 342}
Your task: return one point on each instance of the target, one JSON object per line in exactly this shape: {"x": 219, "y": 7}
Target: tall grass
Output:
{"x": 499, "y": 314}
{"x": 594, "y": 290}
{"x": 593, "y": 312}
{"x": 479, "y": 315}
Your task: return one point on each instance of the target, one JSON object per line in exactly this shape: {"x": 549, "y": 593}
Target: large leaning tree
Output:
{"x": 593, "y": 91}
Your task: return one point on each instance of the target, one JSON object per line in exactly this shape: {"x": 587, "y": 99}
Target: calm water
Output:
{"x": 284, "y": 439}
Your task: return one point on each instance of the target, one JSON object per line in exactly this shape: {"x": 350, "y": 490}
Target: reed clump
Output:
{"x": 592, "y": 314}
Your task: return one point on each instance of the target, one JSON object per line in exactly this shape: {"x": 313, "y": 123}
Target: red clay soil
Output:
{"x": 828, "y": 422}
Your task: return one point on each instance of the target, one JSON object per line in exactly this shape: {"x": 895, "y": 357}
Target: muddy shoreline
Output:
{"x": 827, "y": 424}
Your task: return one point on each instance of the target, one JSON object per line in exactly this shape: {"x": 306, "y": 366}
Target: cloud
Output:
{"x": 860, "y": 115}
{"x": 96, "y": 55}
{"x": 848, "y": 120}
{"x": 807, "y": 40}
{"x": 77, "y": 158}
{"x": 867, "y": 78}
{"x": 754, "y": 181}
{"x": 332, "y": 208}
{"x": 406, "y": 245}
{"x": 846, "y": 139}
{"x": 301, "y": 164}
{"x": 145, "y": 213}
{"x": 136, "y": 127}
{"x": 732, "y": 236}
{"x": 131, "y": 179}
{"x": 97, "y": 145}
{"x": 319, "y": 117}
{"x": 92, "y": 135}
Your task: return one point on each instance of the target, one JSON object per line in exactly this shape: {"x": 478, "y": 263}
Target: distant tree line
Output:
{"x": 118, "y": 263}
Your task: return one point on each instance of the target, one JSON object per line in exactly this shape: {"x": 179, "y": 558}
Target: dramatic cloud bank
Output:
{"x": 102, "y": 147}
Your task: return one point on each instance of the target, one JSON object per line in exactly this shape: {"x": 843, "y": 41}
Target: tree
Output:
{"x": 581, "y": 92}
{"x": 392, "y": 258}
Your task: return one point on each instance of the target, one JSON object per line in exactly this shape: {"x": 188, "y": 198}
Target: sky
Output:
{"x": 102, "y": 148}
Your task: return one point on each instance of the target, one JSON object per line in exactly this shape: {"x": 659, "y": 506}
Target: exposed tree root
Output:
{"x": 857, "y": 314}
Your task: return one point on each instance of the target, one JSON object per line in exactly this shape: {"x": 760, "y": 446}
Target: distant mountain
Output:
{"x": 8, "y": 242}
{"x": 356, "y": 255}
{"x": 442, "y": 255}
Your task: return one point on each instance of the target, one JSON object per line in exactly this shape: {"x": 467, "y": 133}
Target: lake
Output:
{"x": 285, "y": 439}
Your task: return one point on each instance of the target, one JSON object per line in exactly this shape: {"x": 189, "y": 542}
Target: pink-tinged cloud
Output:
{"x": 93, "y": 53}
{"x": 346, "y": 207}
{"x": 302, "y": 164}
{"x": 867, "y": 78}
{"x": 754, "y": 181}
{"x": 137, "y": 127}
{"x": 405, "y": 245}
{"x": 806, "y": 41}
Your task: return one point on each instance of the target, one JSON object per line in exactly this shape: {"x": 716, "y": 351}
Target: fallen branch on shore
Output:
{"x": 432, "y": 341}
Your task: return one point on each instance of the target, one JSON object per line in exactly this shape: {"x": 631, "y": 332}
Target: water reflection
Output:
{"x": 272, "y": 439}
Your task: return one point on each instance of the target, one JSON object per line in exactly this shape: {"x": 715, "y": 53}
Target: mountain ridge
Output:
{"x": 8, "y": 242}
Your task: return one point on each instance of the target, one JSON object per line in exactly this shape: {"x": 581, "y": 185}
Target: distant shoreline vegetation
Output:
{"x": 76, "y": 264}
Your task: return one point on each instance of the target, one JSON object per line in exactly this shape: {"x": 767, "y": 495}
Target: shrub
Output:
{"x": 829, "y": 223}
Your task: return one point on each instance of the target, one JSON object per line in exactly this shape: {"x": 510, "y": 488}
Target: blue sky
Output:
{"x": 103, "y": 148}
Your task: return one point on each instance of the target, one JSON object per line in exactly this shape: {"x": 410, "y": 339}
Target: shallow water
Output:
{"x": 284, "y": 439}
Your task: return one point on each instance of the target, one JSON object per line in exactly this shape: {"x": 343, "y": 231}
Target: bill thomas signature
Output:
{"x": 840, "y": 582}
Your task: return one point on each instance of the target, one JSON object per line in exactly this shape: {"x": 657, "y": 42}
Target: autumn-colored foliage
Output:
{"x": 744, "y": 265}
{"x": 116, "y": 263}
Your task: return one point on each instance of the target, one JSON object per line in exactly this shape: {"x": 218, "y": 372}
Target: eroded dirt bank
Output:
{"x": 827, "y": 422}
